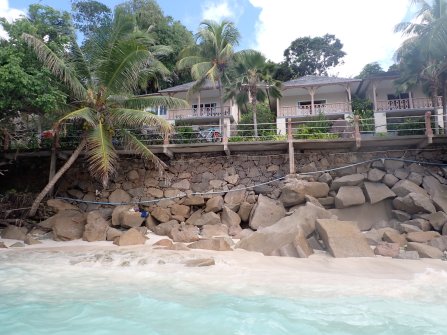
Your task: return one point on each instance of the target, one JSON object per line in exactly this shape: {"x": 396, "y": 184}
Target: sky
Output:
{"x": 364, "y": 27}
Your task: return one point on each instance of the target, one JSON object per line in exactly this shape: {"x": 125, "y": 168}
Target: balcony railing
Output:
{"x": 197, "y": 113}
{"x": 403, "y": 104}
{"x": 327, "y": 109}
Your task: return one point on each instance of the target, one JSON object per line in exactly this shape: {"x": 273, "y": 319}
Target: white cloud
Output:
{"x": 217, "y": 11}
{"x": 364, "y": 27}
{"x": 9, "y": 13}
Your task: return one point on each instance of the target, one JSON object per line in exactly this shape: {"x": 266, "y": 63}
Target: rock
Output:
{"x": 373, "y": 237}
{"x": 216, "y": 183}
{"x": 281, "y": 235}
{"x": 348, "y": 196}
{"x": 113, "y": 233}
{"x": 182, "y": 185}
{"x": 194, "y": 200}
{"x": 243, "y": 234}
{"x": 405, "y": 187}
{"x": 390, "y": 180}
{"x": 349, "y": 180}
{"x": 209, "y": 219}
{"x": 387, "y": 249}
{"x": 401, "y": 173}
{"x": 325, "y": 178}
{"x": 377, "y": 192}
{"x": 214, "y": 204}
{"x": 69, "y": 225}
{"x": 420, "y": 223}
{"x": 301, "y": 245}
{"x": 244, "y": 211}
{"x": 181, "y": 210}
{"x": 17, "y": 245}
{"x": 200, "y": 262}
{"x": 440, "y": 201}
{"x": 3, "y": 246}
{"x": 165, "y": 228}
{"x": 400, "y": 215}
{"x": 30, "y": 240}
{"x": 266, "y": 212}
{"x": 343, "y": 238}
{"x": 432, "y": 185}
{"x": 14, "y": 233}
{"x": 211, "y": 244}
{"x": 60, "y": 205}
{"x": 161, "y": 214}
{"x": 233, "y": 180}
{"x": 393, "y": 165}
{"x": 293, "y": 193}
{"x": 375, "y": 175}
{"x": 439, "y": 242}
{"x": 165, "y": 244}
{"x": 437, "y": 220}
{"x": 414, "y": 203}
{"x": 133, "y": 175}
{"x": 413, "y": 255}
{"x": 327, "y": 201}
{"x": 232, "y": 220}
{"x": 253, "y": 172}
{"x": 209, "y": 231}
{"x": 185, "y": 233}
{"x": 78, "y": 194}
{"x": 96, "y": 227}
{"x": 415, "y": 178}
{"x": 119, "y": 197}
{"x": 408, "y": 228}
{"x": 422, "y": 236}
{"x": 130, "y": 219}
{"x": 424, "y": 250}
{"x": 116, "y": 214}
{"x": 155, "y": 192}
{"x": 235, "y": 195}
{"x": 173, "y": 193}
{"x": 130, "y": 237}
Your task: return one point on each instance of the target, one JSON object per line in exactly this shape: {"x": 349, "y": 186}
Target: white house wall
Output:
{"x": 333, "y": 97}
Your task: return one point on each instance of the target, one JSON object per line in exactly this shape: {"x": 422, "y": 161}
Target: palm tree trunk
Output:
{"x": 56, "y": 177}
{"x": 222, "y": 119}
{"x": 255, "y": 119}
{"x": 444, "y": 104}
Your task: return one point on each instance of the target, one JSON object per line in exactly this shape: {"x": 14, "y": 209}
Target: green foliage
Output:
{"x": 364, "y": 109}
{"x": 266, "y": 122}
{"x": 410, "y": 126}
{"x": 370, "y": 69}
{"x": 184, "y": 134}
{"x": 311, "y": 56}
{"x": 317, "y": 127}
{"x": 90, "y": 15}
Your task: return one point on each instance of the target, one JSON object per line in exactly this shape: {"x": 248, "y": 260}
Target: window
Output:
{"x": 399, "y": 96}
{"x": 159, "y": 110}
{"x": 308, "y": 103}
{"x": 207, "y": 109}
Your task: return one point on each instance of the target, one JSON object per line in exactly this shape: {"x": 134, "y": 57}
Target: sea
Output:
{"x": 110, "y": 292}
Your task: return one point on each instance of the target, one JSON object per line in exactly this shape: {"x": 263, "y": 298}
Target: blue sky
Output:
{"x": 364, "y": 27}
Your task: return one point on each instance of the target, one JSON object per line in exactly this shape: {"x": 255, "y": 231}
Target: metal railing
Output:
{"x": 307, "y": 110}
{"x": 403, "y": 104}
{"x": 311, "y": 129}
{"x": 194, "y": 113}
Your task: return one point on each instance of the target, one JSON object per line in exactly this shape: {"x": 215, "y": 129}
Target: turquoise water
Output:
{"x": 65, "y": 294}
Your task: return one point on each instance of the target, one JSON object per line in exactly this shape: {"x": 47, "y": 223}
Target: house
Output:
{"x": 391, "y": 107}
{"x": 204, "y": 109}
{"x": 312, "y": 95}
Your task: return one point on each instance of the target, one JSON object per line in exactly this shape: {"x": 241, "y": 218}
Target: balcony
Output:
{"x": 327, "y": 109}
{"x": 408, "y": 104}
{"x": 204, "y": 113}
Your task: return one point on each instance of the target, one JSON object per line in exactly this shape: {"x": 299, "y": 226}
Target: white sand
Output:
{"x": 243, "y": 272}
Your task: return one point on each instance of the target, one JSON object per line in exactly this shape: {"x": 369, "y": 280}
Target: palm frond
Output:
{"x": 132, "y": 117}
{"x": 85, "y": 113}
{"x": 141, "y": 102}
{"x": 56, "y": 65}
{"x": 102, "y": 156}
{"x": 132, "y": 143}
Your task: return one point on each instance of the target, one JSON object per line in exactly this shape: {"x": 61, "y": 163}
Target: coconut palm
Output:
{"x": 211, "y": 56}
{"x": 102, "y": 87}
{"x": 250, "y": 82}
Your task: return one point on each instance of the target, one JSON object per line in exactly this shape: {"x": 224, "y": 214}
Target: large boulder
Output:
{"x": 439, "y": 242}
{"x": 392, "y": 236}
{"x": 212, "y": 230}
{"x": 387, "y": 249}
{"x": 194, "y": 200}
{"x": 414, "y": 203}
{"x": 422, "y": 236}
{"x": 437, "y": 220}
{"x": 348, "y": 196}
{"x": 214, "y": 204}
{"x": 120, "y": 196}
{"x": 390, "y": 180}
{"x": 343, "y": 238}
{"x": 424, "y": 250}
{"x": 165, "y": 228}
{"x": 208, "y": 244}
{"x": 376, "y": 192}
{"x": 68, "y": 225}
{"x": 185, "y": 233}
{"x": 232, "y": 220}
{"x": 161, "y": 214}
{"x": 180, "y": 210}
{"x": 113, "y": 233}
{"x": 405, "y": 187}
{"x": 96, "y": 227}
{"x": 375, "y": 175}
{"x": 130, "y": 237}
{"x": 59, "y": 205}
{"x": 130, "y": 219}
{"x": 294, "y": 192}
{"x": 14, "y": 233}
{"x": 349, "y": 180}
{"x": 266, "y": 212}
{"x": 283, "y": 234}
{"x": 245, "y": 210}
{"x": 235, "y": 196}
{"x": 116, "y": 214}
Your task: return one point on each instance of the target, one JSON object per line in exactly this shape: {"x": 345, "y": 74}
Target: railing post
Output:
{"x": 166, "y": 138}
{"x": 357, "y": 136}
{"x": 291, "y": 148}
{"x": 289, "y": 129}
{"x": 428, "y": 129}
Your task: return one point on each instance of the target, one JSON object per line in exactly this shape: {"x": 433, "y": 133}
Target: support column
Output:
{"x": 375, "y": 96}
{"x": 439, "y": 120}
{"x": 312, "y": 100}
{"x": 291, "y": 148}
{"x": 410, "y": 98}
{"x": 281, "y": 126}
{"x": 199, "y": 109}
{"x": 380, "y": 122}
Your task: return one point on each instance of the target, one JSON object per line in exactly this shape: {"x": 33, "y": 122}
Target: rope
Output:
{"x": 253, "y": 186}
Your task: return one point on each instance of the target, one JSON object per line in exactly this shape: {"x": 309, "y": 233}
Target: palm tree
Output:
{"x": 102, "y": 87}
{"x": 252, "y": 82}
{"x": 211, "y": 56}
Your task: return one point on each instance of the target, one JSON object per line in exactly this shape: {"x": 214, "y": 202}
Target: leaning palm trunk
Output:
{"x": 444, "y": 104}
{"x": 222, "y": 118}
{"x": 56, "y": 177}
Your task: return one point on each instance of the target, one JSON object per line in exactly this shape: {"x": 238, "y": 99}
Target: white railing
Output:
{"x": 327, "y": 109}
{"x": 402, "y": 104}
{"x": 204, "y": 112}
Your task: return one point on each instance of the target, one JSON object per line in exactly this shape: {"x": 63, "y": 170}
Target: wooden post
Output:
{"x": 312, "y": 100}
{"x": 199, "y": 109}
{"x": 428, "y": 129}
{"x": 291, "y": 148}
{"x": 374, "y": 96}
{"x": 53, "y": 159}
{"x": 410, "y": 98}
{"x": 357, "y": 135}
